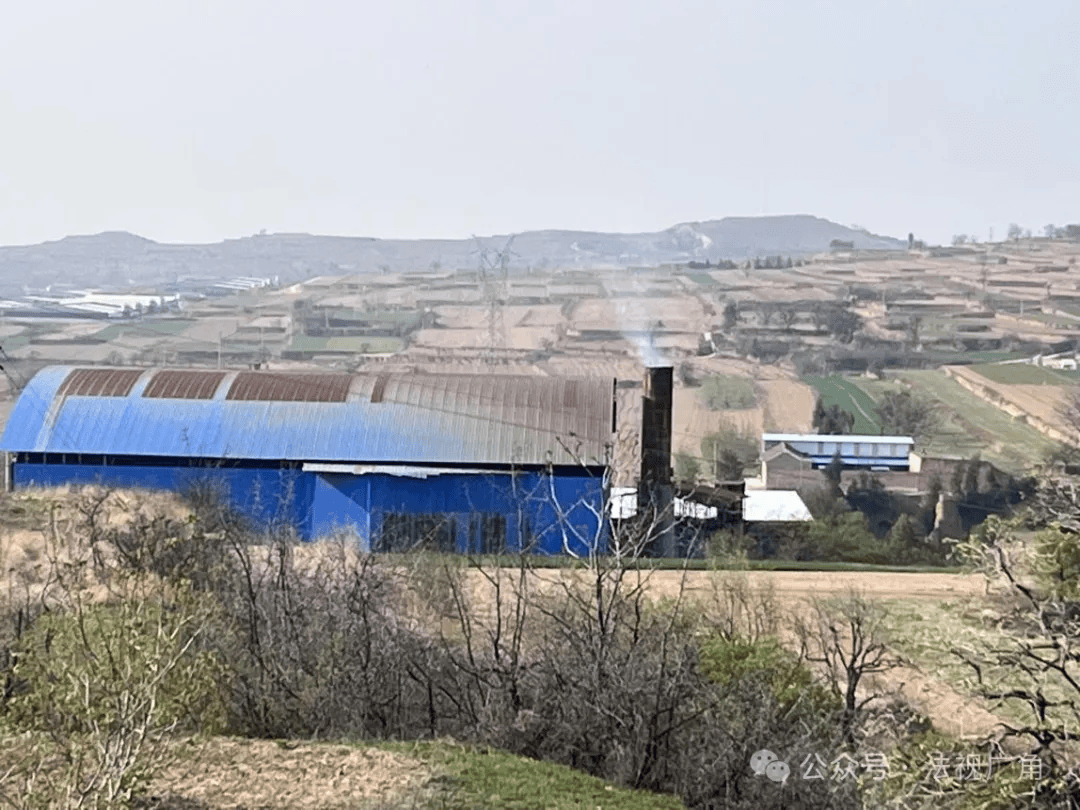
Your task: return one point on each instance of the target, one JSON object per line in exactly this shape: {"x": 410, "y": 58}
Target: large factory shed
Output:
{"x": 479, "y": 463}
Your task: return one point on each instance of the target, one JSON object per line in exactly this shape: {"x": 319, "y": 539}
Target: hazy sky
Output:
{"x": 205, "y": 119}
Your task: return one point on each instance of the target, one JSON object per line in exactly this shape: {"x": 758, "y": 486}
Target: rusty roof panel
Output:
{"x": 100, "y": 382}
{"x": 177, "y": 384}
{"x": 384, "y": 418}
{"x": 266, "y": 386}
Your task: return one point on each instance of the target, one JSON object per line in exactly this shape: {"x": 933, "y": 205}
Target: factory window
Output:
{"x": 412, "y": 532}
{"x": 487, "y": 533}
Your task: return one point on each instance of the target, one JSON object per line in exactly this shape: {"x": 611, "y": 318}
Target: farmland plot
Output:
{"x": 853, "y": 399}
{"x": 969, "y": 425}
{"x": 1024, "y": 374}
{"x": 1037, "y": 404}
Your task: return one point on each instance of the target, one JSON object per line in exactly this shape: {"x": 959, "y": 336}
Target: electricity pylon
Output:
{"x": 494, "y": 278}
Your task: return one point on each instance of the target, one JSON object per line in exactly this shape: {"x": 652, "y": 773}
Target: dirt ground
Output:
{"x": 693, "y": 421}
{"x": 231, "y": 774}
{"x": 793, "y": 586}
{"x": 789, "y": 406}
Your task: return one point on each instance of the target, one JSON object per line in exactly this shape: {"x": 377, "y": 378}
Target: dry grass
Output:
{"x": 230, "y": 774}
{"x": 43, "y": 528}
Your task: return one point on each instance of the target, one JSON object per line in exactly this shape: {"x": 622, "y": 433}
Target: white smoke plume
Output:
{"x": 637, "y": 326}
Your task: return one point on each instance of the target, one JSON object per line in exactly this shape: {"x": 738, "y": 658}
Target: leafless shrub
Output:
{"x": 737, "y": 609}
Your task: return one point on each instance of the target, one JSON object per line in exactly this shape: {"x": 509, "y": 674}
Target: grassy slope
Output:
{"x": 304, "y": 775}
{"x": 486, "y": 777}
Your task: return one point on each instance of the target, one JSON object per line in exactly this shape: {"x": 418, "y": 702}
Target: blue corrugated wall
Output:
{"x": 551, "y": 514}
{"x": 546, "y": 513}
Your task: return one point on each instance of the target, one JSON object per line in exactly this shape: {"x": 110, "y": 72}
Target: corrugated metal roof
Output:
{"x": 100, "y": 382}
{"x": 169, "y": 384}
{"x": 269, "y": 386}
{"x": 414, "y": 418}
{"x": 774, "y": 506}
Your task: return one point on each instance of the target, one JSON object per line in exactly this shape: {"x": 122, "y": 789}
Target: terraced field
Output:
{"x": 846, "y": 393}
{"x": 969, "y": 425}
{"x": 1024, "y": 374}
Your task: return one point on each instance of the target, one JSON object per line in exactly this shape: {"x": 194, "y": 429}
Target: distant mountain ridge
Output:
{"x": 117, "y": 258}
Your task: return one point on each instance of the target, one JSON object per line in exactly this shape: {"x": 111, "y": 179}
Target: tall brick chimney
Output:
{"x": 656, "y": 494}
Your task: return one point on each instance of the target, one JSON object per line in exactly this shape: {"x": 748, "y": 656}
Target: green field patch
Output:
{"x": 14, "y": 342}
{"x": 1056, "y": 321}
{"x": 1068, "y": 309}
{"x": 32, "y": 331}
{"x": 968, "y": 425}
{"x": 727, "y": 391}
{"x": 850, "y": 397}
{"x": 478, "y": 776}
{"x": 1024, "y": 374}
{"x": 701, "y": 278}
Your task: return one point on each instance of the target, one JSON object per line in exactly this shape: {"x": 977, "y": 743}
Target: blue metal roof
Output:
{"x": 389, "y": 418}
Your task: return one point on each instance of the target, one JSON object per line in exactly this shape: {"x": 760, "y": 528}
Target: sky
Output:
{"x": 213, "y": 119}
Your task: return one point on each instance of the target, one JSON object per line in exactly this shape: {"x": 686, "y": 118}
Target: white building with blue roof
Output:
{"x": 817, "y": 451}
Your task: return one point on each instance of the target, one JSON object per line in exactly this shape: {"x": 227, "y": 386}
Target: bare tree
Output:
{"x": 1033, "y": 596}
{"x": 847, "y": 637}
